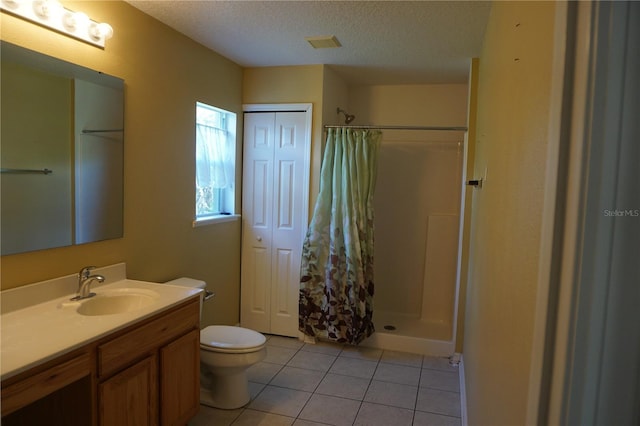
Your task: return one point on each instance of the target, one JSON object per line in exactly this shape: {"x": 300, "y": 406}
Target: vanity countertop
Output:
{"x": 35, "y": 334}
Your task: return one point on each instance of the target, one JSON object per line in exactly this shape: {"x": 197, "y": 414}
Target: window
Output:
{"x": 215, "y": 163}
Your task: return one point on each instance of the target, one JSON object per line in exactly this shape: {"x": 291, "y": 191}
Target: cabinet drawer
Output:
{"x": 121, "y": 351}
{"x": 42, "y": 384}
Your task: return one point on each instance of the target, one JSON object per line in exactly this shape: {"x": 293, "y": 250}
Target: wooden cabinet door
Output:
{"x": 130, "y": 397}
{"x": 180, "y": 379}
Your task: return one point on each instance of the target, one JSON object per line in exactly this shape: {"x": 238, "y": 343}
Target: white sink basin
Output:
{"x": 117, "y": 301}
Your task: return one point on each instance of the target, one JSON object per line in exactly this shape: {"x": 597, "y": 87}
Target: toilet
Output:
{"x": 226, "y": 352}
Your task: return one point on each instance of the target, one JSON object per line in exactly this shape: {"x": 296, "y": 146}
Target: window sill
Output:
{"x": 215, "y": 219}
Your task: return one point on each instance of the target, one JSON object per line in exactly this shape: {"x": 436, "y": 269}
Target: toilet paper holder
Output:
{"x": 208, "y": 295}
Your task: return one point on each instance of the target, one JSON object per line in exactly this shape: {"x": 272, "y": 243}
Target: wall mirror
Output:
{"x": 62, "y": 133}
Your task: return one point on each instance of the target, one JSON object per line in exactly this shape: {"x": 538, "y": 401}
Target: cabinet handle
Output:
{"x": 259, "y": 238}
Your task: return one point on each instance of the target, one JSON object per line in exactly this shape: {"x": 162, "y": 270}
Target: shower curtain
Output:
{"x": 336, "y": 277}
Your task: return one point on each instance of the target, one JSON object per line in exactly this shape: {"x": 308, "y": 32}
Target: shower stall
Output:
{"x": 417, "y": 227}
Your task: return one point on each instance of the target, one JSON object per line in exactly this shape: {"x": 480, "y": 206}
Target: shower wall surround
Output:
{"x": 417, "y": 213}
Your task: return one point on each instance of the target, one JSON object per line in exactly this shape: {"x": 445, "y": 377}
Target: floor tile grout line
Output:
{"x": 438, "y": 389}
{"x": 282, "y": 366}
{"x": 439, "y": 414}
{"x": 415, "y": 403}
{"x": 349, "y": 375}
{"x": 440, "y": 370}
{"x": 367, "y": 390}
{"x": 238, "y": 416}
{"x": 359, "y": 357}
{"x": 272, "y": 377}
{"x": 361, "y": 402}
{"x": 379, "y": 360}
{"x": 371, "y": 379}
{"x": 262, "y": 411}
{"x": 313, "y": 392}
{"x": 261, "y": 390}
{"x": 307, "y": 401}
{"x": 316, "y": 388}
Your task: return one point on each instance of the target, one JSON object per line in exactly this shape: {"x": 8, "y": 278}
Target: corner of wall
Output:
{"x": 472, "y": 109}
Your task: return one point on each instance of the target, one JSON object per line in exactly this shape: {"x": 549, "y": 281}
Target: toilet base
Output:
{"x": 226, "y": 392}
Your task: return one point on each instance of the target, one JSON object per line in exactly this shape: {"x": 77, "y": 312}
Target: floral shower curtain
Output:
{"x": 336, "y": 279}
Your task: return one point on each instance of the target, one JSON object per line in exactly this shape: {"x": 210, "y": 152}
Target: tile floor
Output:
{"x": 325, "y": 384}
{"x": 304, "y": 385}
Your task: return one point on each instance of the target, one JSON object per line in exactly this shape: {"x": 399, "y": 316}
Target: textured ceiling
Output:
{"x": 383, "y": 42}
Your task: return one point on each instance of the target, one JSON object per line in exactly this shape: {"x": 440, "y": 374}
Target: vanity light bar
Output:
{"x": 51, "y": 14}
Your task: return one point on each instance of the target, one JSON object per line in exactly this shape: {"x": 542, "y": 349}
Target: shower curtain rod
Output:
{"x": 455, "y": 128}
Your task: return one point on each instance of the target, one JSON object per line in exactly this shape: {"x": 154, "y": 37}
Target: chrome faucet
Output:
{"x": 84, "y": 282}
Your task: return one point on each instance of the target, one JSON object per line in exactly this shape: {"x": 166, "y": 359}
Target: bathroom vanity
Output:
{"x": 128, "y": 356}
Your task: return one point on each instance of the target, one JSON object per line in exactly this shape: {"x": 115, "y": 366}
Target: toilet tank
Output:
{"x": 193, "y": 283}
{"x": 188, "y": 282}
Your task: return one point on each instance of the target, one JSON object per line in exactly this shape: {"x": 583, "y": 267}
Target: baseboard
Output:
{"x": 463, "y": 394}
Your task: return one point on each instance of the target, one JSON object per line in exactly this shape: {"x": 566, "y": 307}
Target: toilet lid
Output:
{"x": 227, "y": 338}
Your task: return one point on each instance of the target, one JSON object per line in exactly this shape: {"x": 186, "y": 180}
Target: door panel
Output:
{"x": 261, "y": 281}
{"x": 281, "y": 299}
{"x": 275, "y": 197}
{"x": 261, "y": 191}
{"x": 286, "y": 208}
{"x": 289, "y": 224}
{"x": 257, "y": 206}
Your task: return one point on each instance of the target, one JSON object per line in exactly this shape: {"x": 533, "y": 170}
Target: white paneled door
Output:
{"x": 275, "y": 198}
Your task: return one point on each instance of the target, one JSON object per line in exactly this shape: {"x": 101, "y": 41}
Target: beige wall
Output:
{"x": 291, "y": 84}
{"x": 513, "y": 115}
{"x": 412, "y": 104}
{"x": 165, "y": 74}
{"x": 335, "y": 95}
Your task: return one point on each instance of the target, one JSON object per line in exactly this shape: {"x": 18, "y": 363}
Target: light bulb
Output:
{"x": 40, "y": 9}
{"x": 82, "y": 20}
{"x": 14, "y": 4}
{"x": 47, "y": 9}
{"x": 100, "y": 31}
{"x": 106, "y": 30}
{"x": 74, "y": 20}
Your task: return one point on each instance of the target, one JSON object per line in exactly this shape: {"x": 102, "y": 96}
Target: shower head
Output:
{"x": 348, "y": 118}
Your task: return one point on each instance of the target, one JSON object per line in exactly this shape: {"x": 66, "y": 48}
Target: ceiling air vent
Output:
{"x": 323, "y": 42}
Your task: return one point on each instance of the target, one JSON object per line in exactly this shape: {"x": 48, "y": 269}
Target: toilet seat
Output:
{"x": 229, "y": 339}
